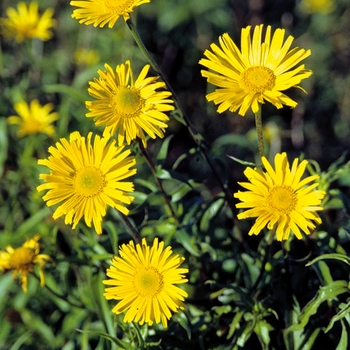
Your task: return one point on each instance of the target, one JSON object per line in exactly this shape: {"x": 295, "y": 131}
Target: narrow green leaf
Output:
{"x": 21, "y": 340}
{"x": 309, "y": 340}
{"x": 341, "y": 314}
{"x": 334, "y": 256}
{"x": 116, "y": 341}
{"x": 235, "y": 324}
{"x": 324, "y": 272}
{"x": 163, "y": 152}
{"x": 243, "y": 162}
{"x": 343, "y": 343}
{"x": 66, "y": 90}
{"x": 325, "y": 293}
{"x": 262, "y": 330}
{"x": 105, "y": 313}
{"x": 3, "y": 144}
{"x": 212, "y": 211}
{"x": 183, "y": 321}
{"x": 187, "y": 242}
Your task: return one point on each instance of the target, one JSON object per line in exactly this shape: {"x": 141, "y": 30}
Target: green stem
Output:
{"x": 264, "y": 262}
{"x": 194, "y": 134}
{"x": 133, "y": 232}
{"x": 258, "y": 125}
{"x": 64, "y": 297}
{"x": 288, "y": 316}
{"x": 158, "y": 180}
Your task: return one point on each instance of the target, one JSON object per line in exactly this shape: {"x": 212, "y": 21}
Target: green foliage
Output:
{"x": 244, "y": 291}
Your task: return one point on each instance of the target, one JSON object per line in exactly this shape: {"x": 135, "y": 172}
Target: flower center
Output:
{"x": 127, "y": 102}
{"x": 21, "y": 258}
{"x": 89, "y": 181}
{"x": 282, "y": 199}
{"x": 148, "y": 282}
{"x": 32, "y": 126}
{"x": 257, "y": 79}
{"x": 120, "y": 8}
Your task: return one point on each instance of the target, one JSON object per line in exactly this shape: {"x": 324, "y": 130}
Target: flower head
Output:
{"x": 130, "y": 107}
{"x": 86, "y": 177}
{"x": 86, "y": 57}
{"x": 280, "y": 199}
{"x": 101, "y": 12}
{"x": 22, "y": 260}
{"x": 143, "y": 278}
{"x": 33, "y": 118}
{"x": 321, "y": 6}
{"x": 25, "y": 22}
{"x": 257, "y": 72}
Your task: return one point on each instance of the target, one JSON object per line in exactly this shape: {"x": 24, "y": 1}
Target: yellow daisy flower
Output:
{"x": 33, "y": 118}
{"x": 101, "y": 12}
{"x": 86, "y": 57}
{"x": 129, "y": 106}
{"x": 143, "y": 279}
{"x": 86, "y": 177}
{"x": 25, "y": 22}
{"x": 22, "y": 260}
{"x": 260, "y": 71}
{"x": 279, "y": 198}
{"x": 321, "y": 6}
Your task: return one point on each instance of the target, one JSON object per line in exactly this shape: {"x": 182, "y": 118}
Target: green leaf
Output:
{"x": 116, "y": 341}
{"x": 243, "y": 162}
{"x": 66, "y": 90}
{"x": 212, "y": 211}
{"x": 262, "y": 330}
{"x": 21, "y": 340}
{"x": 97, "y": 289}
{"x": 3, "y": 144}
{"x": 325, "y": 293}
{"x": 187, "y": 242}
{"x": 183, "y": 321}
{"x": 345, "y": 309}
{"x": 343, "y": 343}
{"x": 324, "y": 273}
{"x": 163, "y": 152}
{"x": 308, "y": 339}
{"x": 235, "y": 324}
{"x": 334, "y": 256}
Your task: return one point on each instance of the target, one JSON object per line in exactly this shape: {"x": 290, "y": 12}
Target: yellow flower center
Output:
{"x": 148, "y": 282}
{"x": 32, "y": 126}
{"x": 89, "y": 182}
{"x": 22, "y": 258}
{"x": 282, "y": 199}
{"x": 128, "y": 102}
{"x": 257, "y": 79}
{"x": 119, "y": 8}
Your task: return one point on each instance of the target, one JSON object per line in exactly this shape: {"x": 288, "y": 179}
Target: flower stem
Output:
{"x": 65, "y": 297}
{"x": 265, "y": 258}
{"x": 193, "y": 133}
{"x": 133, "y": 232}
{"x": 158, "y": 180}
{"x": 258, "y": 125}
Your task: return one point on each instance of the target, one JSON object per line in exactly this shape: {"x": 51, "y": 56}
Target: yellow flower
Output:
{"x": 128, "y": 106}
{"x": 322, "y": 6}
{"x": 101, "y": 12}
{"x": 33, "y": 118}
{"x": 143, "y": 279}
{"x": 86, "y": 178}
{"x": 25, "y": 22}
{"x": 22, "y": 260}
{"x": 279, "y": 198}
{"x": 86, "y": 57}
{"x": 260, "y": 71}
